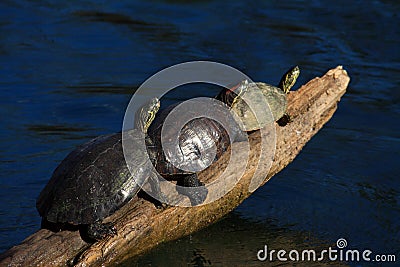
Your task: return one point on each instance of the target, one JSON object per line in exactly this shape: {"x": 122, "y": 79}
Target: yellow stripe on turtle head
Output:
{"x": 289, "y": 79}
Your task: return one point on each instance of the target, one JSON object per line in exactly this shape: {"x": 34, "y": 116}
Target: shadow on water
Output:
{"x": 113, "y": 18}
{"x": 153, "y": 31}
{"x": 64, "y": 131}
{"x": 388, "y": 196}
{"x": 97, "y": 89}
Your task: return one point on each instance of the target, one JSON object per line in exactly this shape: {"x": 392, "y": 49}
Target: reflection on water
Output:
{"x": 234, "y": 241}
{"x": 68, "y": 70}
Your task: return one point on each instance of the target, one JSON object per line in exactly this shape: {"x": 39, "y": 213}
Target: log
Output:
{"x": 141, "y": 226}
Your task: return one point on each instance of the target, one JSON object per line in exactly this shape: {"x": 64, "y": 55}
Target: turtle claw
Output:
{"x": 162, "y": 206}
{"x": 98, "y": 231}
{"x": 160, "y": 203}
{"x": 284, "y": 120}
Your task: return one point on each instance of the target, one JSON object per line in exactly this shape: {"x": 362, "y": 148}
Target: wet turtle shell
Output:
{"x": 90, "y": 183}
{"x": 274, "y": 97}
{"x": 93, "y": 181}
{"x": 201, "y": 142}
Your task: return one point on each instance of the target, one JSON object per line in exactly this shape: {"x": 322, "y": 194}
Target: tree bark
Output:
{"x": 141, "y": 226}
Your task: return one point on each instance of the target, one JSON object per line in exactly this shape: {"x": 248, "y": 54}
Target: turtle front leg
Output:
{"x": 284, "y": 120}
{"x": 198, "y": 195}
{"x": 98, "y": 231}
{"x": 159, "y": 198}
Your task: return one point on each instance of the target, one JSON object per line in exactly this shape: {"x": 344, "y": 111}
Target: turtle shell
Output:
{"x": 257, "y": 95}
{"x": 92, "y": 182}
{"x": 201, "y": 142}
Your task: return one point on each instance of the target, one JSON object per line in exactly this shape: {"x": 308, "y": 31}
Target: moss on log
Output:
{"x": 141, "y": 226}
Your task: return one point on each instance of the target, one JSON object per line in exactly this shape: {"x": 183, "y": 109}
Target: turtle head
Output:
{"x": 146, "y": 114}
{"x": 240, "y": 90}
{"x": 289, "y": 79}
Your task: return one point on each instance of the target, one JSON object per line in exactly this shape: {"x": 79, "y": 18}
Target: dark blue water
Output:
{"x": 69, "y": 68}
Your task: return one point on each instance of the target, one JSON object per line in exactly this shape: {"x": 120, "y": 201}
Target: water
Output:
{"x": 68, "y": 70}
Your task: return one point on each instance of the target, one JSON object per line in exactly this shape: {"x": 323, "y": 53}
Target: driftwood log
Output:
{"x": 141, "y": 226}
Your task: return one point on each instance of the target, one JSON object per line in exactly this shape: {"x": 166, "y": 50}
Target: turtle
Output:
{"x": 201, "y": 142}
{"x": 93, "y": 181}
{"x": 201, "y": 134}
{"x": 274, "y": 96}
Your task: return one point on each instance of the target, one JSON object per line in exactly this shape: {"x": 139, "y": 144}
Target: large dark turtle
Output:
{"x": 93, "y": 181}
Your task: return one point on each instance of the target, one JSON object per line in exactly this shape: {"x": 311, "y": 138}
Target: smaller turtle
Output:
{"x": 94, "y": 181}
{"x": 274, "y": 96}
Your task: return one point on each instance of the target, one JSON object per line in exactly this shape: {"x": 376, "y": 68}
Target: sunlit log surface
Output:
{"x": 141, "y": 226}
